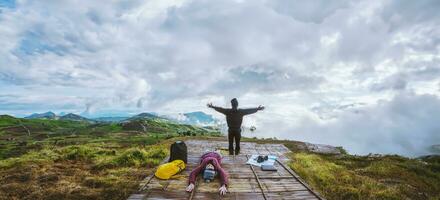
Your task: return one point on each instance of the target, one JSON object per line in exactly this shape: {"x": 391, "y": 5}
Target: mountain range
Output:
{"x": 145, "y": 115}
{"x": 46, "y": 115}
{"x": 192, "y": 118}
{"x": 74, "y": 117}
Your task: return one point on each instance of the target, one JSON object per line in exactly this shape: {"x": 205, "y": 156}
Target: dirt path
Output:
{"x": 245, "y": 182}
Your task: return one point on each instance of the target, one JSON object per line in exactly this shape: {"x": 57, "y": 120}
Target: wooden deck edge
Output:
{"x": 143, "y": 184}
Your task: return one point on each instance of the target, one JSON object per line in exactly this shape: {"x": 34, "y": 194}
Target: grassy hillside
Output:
{"x": 369, "y": 177}
{"x": 52, "y": 159}
{"x": 19, "y": 136}
{"x": 78, "y": 160}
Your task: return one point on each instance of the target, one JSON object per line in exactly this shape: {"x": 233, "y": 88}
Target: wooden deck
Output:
{"x": 245, "y": 182}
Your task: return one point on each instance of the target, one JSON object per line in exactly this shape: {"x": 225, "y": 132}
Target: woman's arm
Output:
{"x": 223, "y": 175}
{"x": 198, "y": 169}
{"x": 194, "y": 173}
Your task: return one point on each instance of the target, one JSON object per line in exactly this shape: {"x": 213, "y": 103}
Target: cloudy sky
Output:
{"x": 361, "y": 74}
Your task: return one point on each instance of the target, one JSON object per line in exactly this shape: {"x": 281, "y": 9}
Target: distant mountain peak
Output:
{"x": 74, "y": 117}
{"x": 46, "y": 115}
{"x": 145, "y": 115}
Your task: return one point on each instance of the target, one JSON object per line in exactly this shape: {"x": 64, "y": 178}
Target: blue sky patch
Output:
{"x": 33, "y": 42}
{"x": 7, "y": 3}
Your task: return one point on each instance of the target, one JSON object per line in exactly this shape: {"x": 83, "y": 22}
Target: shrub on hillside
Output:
{"x": 45, "y": 155}
{"x": 79, "y": 152}
{"x": 136, "y": 157}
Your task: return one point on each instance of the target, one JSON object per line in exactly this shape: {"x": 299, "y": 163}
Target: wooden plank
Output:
{"x": 230, "y": 196}
{"x": 161, "y": 195}
{"x": 296, "y": 195}
{"x": 136, "y": 197}
{"x": 261, "y": 177}
{"x": 243, "y": 185}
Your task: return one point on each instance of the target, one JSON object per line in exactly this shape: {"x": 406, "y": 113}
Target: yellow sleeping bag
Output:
{"x": 167, "y": 170}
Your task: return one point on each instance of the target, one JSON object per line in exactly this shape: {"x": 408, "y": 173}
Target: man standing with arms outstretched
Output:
{"x": 234, "y": 118}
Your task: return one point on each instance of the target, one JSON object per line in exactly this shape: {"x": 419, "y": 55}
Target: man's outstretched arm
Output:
{"x": 251, "y": 110}
{"x": 216, "y": 108}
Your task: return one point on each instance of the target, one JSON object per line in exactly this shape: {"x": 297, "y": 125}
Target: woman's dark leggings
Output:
{"x": 234, "y": 134}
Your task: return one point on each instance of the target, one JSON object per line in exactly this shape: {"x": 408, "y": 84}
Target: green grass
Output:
{"x": 134, "y": 157}
{"x": 357, "y": 177}
{"x": 6, "y": 120}
{"x": 100, "y": 171}
{"x": 94, "y": 155}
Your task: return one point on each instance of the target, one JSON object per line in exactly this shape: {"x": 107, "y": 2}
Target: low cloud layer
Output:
{"x": 338, "y": 72}
{"x": 407, "y": 124}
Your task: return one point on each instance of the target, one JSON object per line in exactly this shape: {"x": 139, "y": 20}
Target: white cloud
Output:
{"x": 406, "y": 125}
{"x": 308, "y": 62}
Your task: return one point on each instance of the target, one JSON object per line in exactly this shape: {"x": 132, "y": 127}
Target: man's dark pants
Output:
{"x": 234, "y": 133}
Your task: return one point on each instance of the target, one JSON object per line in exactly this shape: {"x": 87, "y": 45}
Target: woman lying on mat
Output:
{"x": 210, "y": 166}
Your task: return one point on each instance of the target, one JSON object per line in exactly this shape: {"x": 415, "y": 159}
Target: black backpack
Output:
{"x": 178, "y": 151}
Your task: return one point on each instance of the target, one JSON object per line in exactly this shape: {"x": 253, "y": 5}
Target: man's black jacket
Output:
{"x": 234, "y": 117}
